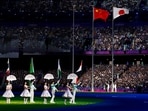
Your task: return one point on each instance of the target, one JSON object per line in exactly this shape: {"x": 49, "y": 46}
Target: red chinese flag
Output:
{"x": 100, "y": 14}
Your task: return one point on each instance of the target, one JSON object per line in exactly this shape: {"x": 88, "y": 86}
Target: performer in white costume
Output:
{"x": 26, "y": 94}
{"x": 74, "y": 90}
{"x": 8, "y": 93}
{"x": 115, "y": 87}
{"x": 107, "y": 87}
{"x": 67, "y": 94}
{"x": 32, "y": 88}
{"x": 53, "y": 90}
{"x": 45, "y": 94}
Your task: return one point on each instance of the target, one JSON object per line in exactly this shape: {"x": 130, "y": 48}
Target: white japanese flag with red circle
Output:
{"x": 119, "y": 12}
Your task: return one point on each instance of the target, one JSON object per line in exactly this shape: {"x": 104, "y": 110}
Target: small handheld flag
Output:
{"x": 8, "y": 69}
{"x": 80, "y": 68}
{"x": 31, "y": 67}
{"x": 59, "y": 70}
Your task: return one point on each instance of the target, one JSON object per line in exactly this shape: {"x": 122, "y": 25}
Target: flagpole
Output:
{"x": 73, "y": 38}
{"x": 112, "y": 52}
{"x": 92, "y": 75}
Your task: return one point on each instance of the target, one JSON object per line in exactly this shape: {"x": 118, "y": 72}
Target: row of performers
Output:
{"x": 26, "y": 93}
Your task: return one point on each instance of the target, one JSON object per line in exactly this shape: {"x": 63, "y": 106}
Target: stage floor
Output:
{"x": 98, "y": 102}
{"x": 113, "y": 102}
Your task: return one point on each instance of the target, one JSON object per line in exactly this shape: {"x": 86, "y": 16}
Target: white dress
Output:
{"x": 45, "y": 92}
{"x": 25, "y": 92}
{"x": 67, "y": 93}
{"x": 8, "y": 93}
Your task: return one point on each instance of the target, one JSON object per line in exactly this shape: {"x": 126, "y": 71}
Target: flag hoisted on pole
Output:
{"x": 100, "y": 14}
{"x": 8, "y": 69}
{"x": 59, "y": 70}
{"x": 97, "y": 14}
{"x": 117, "y": 12}
{"x": 31, "y": 71}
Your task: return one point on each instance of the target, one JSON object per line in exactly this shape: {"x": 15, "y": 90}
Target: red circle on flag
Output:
{"x": 121, "y": 12}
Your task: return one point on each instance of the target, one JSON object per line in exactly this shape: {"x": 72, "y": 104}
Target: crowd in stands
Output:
{"x": 40, "y": 39}
{"x": 125, "y": 38}
{"x": 131, "y": 4}
{"x": 58, "y": 6}
{"x": 30, "y": 10}
{"x": 127, "y": 78}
